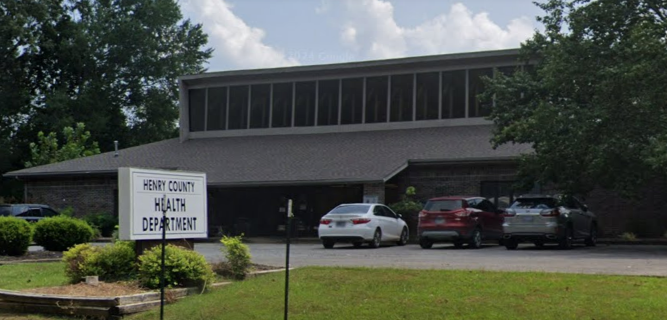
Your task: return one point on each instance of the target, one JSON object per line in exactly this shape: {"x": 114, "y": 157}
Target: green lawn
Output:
{"x": 32, "y": 275}
{"x": 359, "y": 293}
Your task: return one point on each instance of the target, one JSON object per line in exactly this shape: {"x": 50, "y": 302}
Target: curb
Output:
{"x": 652, "y": 241}
{"x": 30, "y": 261}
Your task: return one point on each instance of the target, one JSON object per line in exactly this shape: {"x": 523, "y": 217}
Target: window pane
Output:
{"x": 327, "y": 104}
{"x": 197, "y": 105}
{"x": 453, "y": 94}
{"x": 282, "y": 105}
{"x": 238, "y": 107}
{"x": 501, "y": 193}
{"x": 476, "y": 87}
{"x": 217, "y": 105}
{"x": 353, "y": 90}
{"x": 508, "y": 71}
{"x": 534, "y": 203}
{"x": 376, "y": 99}
{"x": 259, "y": 106}
{"x": 401, "y": 97}
{"x": 351, "y": 209}
{"x": 305, "y": 104}
{"x": 427, "y": 96}
{"x": 443, "y": 205}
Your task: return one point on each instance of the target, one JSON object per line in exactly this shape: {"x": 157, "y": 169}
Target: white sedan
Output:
{"x": 362, "y": 222}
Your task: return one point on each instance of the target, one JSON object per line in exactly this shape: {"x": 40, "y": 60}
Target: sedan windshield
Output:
{"x": 443, "y": 205}
{"x": 534, "y": 203}
{"x": 351, "y": 209}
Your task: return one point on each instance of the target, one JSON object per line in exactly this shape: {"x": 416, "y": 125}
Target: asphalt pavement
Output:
{"x": 648, "y": 260}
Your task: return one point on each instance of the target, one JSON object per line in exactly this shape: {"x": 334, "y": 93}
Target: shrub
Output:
{"x": 238, "y": 258}
{"x": 104, "y": 222}
{"x": 109, "y": 263}
{"x": 15, "y": 236}
{"x": 629, "y": 236}
{"x": 115, "y": 235}
{"x": 61, "y": 233}
{"x": 77, "y": 262}
{"x": 183, "y": 268}
{"x": 67, "y": 212}
{"x": 409, "y": 208}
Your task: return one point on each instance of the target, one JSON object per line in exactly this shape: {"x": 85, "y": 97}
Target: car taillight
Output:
{"x": 509, "y": 213}
{"x": 463, "y": 213}
{"x": 550, "y": 213}
{"x": 325, "y": 221}
{"x": 360, "y": 221}
{"x": 423, "y": 214}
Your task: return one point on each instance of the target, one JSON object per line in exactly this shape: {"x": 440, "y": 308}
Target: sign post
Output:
{"x": 288, "y": 231}
{"x": 164, "y": 244}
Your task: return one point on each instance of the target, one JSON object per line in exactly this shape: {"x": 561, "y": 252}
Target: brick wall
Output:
{"x": 375, "y": 189}
{"x": 85, "y": 195}
{"x": 441, "y": 180}
{"x": 646, "y": 216}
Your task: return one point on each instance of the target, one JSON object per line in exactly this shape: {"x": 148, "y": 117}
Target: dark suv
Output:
{"x": 28, "y": 212}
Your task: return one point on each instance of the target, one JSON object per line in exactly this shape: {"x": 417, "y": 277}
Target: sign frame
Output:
{"x": 189, "y": 187}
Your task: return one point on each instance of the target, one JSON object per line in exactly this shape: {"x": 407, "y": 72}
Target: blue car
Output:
{"x": 28, "y": 212}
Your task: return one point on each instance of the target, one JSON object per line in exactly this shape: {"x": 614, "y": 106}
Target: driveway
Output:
{"x": 649, "y": 260}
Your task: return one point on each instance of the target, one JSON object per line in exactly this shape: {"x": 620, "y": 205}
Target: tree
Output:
{"x": 76, "y": 145}
{"x": 112, "y": 64}
{"x": 592, "y": 99}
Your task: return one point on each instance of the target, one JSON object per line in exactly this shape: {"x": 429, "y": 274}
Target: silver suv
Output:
{"x": 540, "y": 219}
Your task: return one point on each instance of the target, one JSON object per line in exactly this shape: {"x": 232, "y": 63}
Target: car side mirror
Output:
{"x": 399, "y": 216}
{"x": 585, "y": 208}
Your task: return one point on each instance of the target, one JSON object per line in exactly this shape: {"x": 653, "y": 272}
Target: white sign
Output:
{"x": 143, "y": 196}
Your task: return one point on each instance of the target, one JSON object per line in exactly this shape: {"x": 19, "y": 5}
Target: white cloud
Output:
{"x": 375, "y": 30}
{"x": 233, "y": 40}
{"x": 377, "y": 35}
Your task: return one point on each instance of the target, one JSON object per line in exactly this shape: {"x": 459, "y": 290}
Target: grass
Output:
{"x": 32, "y": 275}
{"x": 363, "y": 293}
{"x": 359, "y": 293}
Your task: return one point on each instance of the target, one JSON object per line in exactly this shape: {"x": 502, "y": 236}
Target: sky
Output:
{"x": 251, "y": 34}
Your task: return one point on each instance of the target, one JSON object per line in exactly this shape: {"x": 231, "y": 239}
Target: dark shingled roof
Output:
{"x": 370, "y": 156}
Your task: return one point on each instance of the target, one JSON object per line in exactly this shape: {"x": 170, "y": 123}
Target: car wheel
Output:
{"x": 592, "y": 239}
{"x": 539, "y": 244}
{"x": 511, "y": 244}
{"x": 328, "y": 244}
{"x": 476, "y": 239}
{"x": 377, "y": 238}
{"x": 458, "y": 244}
{"x": 425, "y": 243}
{"x": 404, "y": 237}
{"x": 565, "y": 241}
{"x": 357, "y": 244}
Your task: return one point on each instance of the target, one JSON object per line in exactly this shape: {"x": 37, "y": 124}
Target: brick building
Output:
{"x": 321, "y": 135}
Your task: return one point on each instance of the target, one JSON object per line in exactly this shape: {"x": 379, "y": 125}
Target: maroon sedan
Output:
{"x": 459, "y": 220}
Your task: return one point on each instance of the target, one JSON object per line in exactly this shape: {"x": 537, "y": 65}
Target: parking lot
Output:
{"x": 650, "y": 260}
